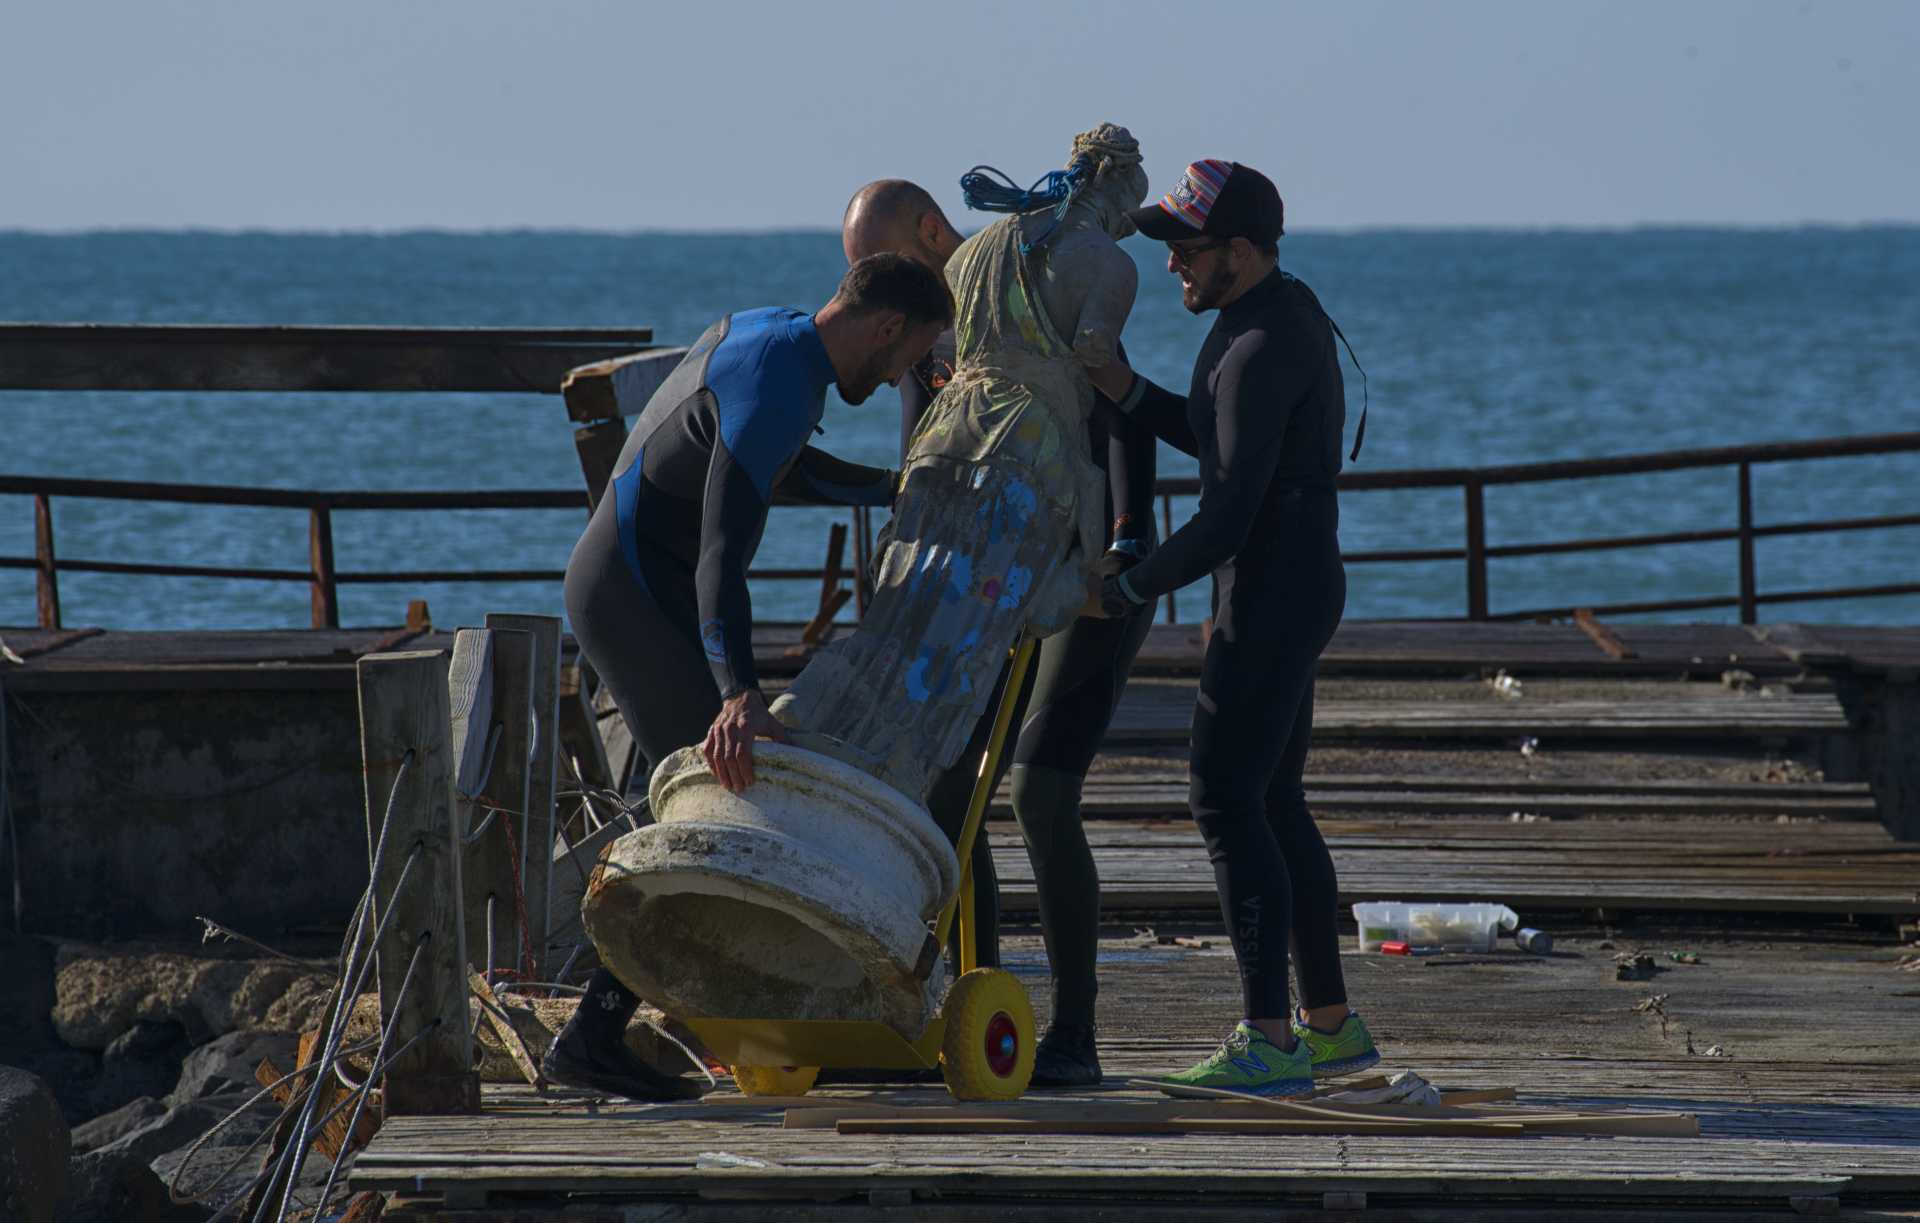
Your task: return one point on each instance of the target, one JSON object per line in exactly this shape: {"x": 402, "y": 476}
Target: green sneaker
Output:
{"x": 1340, "y": 1052}
{"x": 1250, "y": 1064}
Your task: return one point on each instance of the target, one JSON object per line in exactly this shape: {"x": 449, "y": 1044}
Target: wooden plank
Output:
{"x": 1116, "y": 801}
{"x": 1603, "y": 636}
{"x": 509, "y": 1037}
{"x": 1184, "y": 1125}
{"x": 536, "y": 839}
{"x": 1629, "y": 866}
{"x": 617, "y": 387}
{"x": 404, "y": 719}
{"x": 97, "y": 357}
{"x": 599, "y": 446}
{"x": 496, "y": 863}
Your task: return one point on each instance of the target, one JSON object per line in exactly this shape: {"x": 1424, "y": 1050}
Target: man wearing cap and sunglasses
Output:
{"x": 1264, "y": 414}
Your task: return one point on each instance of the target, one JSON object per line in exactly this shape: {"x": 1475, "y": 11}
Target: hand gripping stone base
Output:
{"x": 806, "y": 896}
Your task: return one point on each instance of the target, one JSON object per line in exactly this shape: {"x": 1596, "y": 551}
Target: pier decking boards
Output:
{"x": 1784, "y": 1123}
{"x": 1695, "y": 865}
{"x": 1661, "y": 810}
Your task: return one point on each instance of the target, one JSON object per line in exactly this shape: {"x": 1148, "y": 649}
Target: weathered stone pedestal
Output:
{"x": 808, "y": 896}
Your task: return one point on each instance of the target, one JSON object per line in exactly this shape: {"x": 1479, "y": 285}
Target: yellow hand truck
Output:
{"x": 982, "y": 1038}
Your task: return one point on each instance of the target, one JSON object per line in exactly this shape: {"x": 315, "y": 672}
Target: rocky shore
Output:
{"x": 115, "y": 1060}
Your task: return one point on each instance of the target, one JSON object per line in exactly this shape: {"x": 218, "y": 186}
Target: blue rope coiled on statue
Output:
{"x": 1055, "y": 189}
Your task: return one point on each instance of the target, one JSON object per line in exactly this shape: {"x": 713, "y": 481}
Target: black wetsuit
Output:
{"x": 1264, "y": 415}
{"x": 656, "y": 589}
{"x": 1062, "y": 716}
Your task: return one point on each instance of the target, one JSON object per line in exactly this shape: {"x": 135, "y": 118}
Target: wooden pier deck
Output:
{"x": 1655, "y": 808}
{"x": 1659, "y": 810}
{"x": 1798, "y": 1056}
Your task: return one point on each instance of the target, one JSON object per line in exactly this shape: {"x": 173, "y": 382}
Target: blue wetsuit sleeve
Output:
{"x": 753, "y": 440}
{"x": 818, "y": 478}
{"x": 1161, "y": 413}
{"x": 1257, "y": 391}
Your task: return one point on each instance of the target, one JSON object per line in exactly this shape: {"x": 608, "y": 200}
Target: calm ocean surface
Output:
{"x": 1481, "y": 348}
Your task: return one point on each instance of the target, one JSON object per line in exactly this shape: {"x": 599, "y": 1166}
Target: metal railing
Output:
{"x": 227, "y": 359}
{"x": 324, "y": 578}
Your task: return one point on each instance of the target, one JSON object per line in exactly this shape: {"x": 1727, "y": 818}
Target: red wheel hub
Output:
{"x": 1002, "y": 1044}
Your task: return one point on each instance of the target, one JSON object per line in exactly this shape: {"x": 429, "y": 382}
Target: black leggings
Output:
{"x": 1076, "y": 686}
{"x": 947, "y": 801}
{"x": 1250, "y": 733}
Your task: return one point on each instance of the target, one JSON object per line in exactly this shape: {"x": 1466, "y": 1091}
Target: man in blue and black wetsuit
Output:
{"x": 656, "y": 590}
{"x": 1264, "y": 414}
{"x": 1064, "y": 713}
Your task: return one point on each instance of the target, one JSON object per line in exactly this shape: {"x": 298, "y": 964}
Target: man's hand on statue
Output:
{"x": 1112, "y": 563}
{"x": 1096, "y": 578}
{"x": 729, "y": 746}
{"x": 1114, "y": 379}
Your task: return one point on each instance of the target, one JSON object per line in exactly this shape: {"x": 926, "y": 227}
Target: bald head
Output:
{"x": 892, "y": 214}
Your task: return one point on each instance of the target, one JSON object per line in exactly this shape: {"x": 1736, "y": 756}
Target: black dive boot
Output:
{"x": 1067, "y": 1057}
{"x": 591, "y": 1052}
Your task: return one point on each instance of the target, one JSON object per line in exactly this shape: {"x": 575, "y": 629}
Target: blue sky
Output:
{"x": 487, "y": 113}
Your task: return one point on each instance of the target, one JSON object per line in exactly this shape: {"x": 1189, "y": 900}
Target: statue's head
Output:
{"x": 1119, "y": 183}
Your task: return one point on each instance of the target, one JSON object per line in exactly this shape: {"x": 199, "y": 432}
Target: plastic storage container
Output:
{"x": 1472, "y": 926}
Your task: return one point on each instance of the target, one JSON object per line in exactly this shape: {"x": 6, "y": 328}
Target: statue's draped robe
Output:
{"x": 1000, "y": 511}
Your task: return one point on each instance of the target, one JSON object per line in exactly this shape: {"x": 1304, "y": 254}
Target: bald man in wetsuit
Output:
{"x": 1077, "y": 680}
{"x": 1264, "y": 414}
{"x": 656, "y": 589}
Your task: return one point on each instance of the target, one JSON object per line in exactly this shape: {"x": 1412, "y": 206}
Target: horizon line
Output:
{"x": 1544, "y": 228}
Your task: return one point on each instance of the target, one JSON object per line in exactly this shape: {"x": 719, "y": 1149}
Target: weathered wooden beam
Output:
{"x": 404, "y": 721}
{"x": 599, "y": 448}
{"x": 619, "y": 387}
{"x": 1601, "y": 635}
{"x": 474, "y": 729}
{"x": 94, "y": 357}
{"x": 536, "y": 839}
{"x": 495, "y": 862}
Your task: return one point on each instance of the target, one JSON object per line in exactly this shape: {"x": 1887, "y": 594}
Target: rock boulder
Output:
{"x": 33, "y": 1149}
{"x": 101, "y": 992}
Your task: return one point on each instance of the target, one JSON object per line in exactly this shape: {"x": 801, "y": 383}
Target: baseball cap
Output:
{"x": 1215, "y": 199}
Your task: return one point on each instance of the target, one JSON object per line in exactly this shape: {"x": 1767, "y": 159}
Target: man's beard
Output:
{"x": 1204, "y": 295}
{"x": 871, "y": 374}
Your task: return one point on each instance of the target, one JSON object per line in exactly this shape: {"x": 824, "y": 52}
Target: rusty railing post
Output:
{"x": 862, "y": 559}
{"x": 1476, "y": 550}
{"x": 325, "y": 590}
{"x": 46, "y": 574}
{"x": 1749, "y": 596}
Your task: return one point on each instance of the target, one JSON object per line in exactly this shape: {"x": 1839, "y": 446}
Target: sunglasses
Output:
{"x": 1183, "y": 255}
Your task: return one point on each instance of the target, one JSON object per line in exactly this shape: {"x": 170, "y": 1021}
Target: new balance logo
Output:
{"x": 1249, "y": 1064}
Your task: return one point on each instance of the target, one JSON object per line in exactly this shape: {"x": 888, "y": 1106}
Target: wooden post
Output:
{"x": 1749, "y": 597}
{"x": 495, "y": 864}
{"x": 536, "y": 831}
{"x": 325, "y": 592}
{"x": 46, "y": 578}
{"x": 1476, "y": 551}
{"x": 484, "y": 863}
{"x": 404, "y": 709}
{"x": 599, "y": 446}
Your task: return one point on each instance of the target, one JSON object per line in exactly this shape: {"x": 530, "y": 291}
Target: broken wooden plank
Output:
{"x": 1602, "y": 636}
